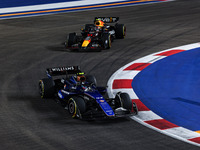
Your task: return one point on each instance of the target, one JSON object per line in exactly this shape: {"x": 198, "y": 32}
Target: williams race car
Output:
{"x": 82, "y": 97}
{"x": 96, "y": 36}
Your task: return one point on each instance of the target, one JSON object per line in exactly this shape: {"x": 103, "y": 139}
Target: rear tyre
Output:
{"x": 46, "y": 88}
{"x": 120, "y": 30}
{"x": 76, "y": 107}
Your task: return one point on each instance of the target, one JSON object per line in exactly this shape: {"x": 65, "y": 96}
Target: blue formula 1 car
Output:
{"x": 79, "y": 94}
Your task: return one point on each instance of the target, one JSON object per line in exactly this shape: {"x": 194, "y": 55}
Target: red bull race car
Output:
{"x": 81, "y": 96}
{"x": 96, "y": 36}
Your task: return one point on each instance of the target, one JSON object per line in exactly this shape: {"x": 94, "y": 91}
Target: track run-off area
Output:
{"x": 167, "y": 86}
{"x": 29, "y": 45}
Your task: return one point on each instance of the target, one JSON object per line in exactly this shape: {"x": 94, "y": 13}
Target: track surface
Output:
{"x": 30, "y": 45}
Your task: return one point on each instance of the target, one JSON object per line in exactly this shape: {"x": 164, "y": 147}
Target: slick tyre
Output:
{"x": 135, "y": 109}
{"x": 70, "y": 40}
{"x": 88, "y": 26}
{"x": 106, "y": 41}
{"x": 76, "y": 107}
{"x": 126, "y": 101}
{"x": 46, "y": 88}
{"x": 120, "y": 31}
{"x": 123, "y": 100}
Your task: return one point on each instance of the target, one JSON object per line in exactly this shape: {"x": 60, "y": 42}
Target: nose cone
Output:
{"x": 86, "y": 42}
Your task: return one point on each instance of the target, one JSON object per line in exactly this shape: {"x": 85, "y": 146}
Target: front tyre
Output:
{"x": 126, "y": 101}
{"x": 106, "y": 41}
{"x": 70, "y": 40}
{"x": 123, "y": 100}
{"x": 76, "y": 107}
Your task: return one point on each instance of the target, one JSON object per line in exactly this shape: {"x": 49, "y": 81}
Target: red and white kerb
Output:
{"x": 121, "y": 81}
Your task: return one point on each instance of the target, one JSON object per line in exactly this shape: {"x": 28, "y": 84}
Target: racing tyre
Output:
{"x": 120, "y": 30}
{"x": 106, "y": 41}
{"x": 88, "y": 26}
{"x": 91, "y": 79}
{"x": 118, "y": 102}
{"x": 76, "y": 107}
{"x": 135, "y": 109}
{"x": 46, "y": 88}
{"x": 70, "y": 40}
{"x": 123, "y": 100}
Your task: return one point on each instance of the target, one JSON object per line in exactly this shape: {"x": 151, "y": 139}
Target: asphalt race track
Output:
{"x": 30, "y": 45}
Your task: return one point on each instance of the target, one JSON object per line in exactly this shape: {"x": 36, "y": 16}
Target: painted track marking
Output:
{"x": 15, "y": 12}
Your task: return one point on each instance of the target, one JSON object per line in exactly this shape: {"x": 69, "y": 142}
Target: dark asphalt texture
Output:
{"x": 30, "y": 45}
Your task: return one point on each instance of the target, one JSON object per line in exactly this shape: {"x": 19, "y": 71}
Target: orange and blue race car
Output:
{"x": 96, "y": 36}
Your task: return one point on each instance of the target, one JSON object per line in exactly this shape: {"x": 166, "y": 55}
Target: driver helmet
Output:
{"x": 99, "y": 23}
{"x": 80, "y": 77}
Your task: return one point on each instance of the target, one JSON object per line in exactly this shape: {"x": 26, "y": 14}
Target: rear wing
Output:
{"x": 107, "y": 19}
{"x": 56, "y": 71}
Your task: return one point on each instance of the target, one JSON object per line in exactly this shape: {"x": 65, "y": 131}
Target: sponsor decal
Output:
{"x": 99, "y": 97}
{"x": 108, "y": 19}
{"x": 65, "y": 92}
{"x": 62, "y": 68}
{"x": 60, "y": 95}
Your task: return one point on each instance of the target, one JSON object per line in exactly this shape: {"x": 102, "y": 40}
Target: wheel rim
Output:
{"x": 66, "y": 44}
{"x": 135, "y": 109}
{"x": 124, "y": 31}
{"x": 71, "y": 107}
{"x": 109, "y": 41}
{"x": 41, "y": 88}
{"x": 106, "y": 44}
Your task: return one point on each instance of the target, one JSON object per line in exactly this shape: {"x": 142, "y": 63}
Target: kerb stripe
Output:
{"x": 196, "y": 140}
{"x": 161, "y": 124}
{"x": 137, "y": 66}
{"x": 169, "y": 53}
{"x": 122, "y": 83}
